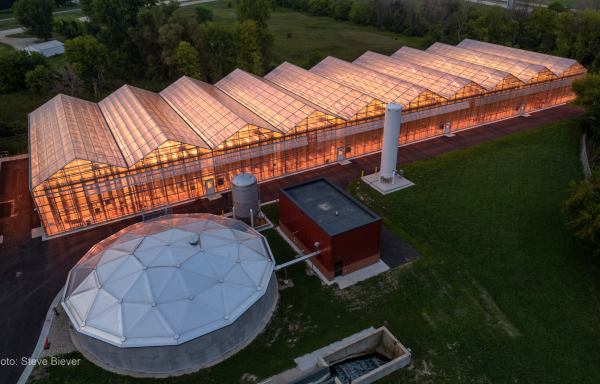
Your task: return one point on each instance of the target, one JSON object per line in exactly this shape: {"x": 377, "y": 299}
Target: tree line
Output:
{"x": 137, "y": 39}
{"x": 554, "y": 29}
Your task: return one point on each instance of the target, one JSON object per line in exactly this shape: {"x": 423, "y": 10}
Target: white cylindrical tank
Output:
{"x": 391, "y": 135}
{"x": 244, "y": 191}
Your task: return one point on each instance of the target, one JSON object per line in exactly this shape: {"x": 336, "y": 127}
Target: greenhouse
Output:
{"x": 138, "y": 151}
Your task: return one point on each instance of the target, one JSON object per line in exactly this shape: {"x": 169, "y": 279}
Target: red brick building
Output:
{"x": 319, "y": 211}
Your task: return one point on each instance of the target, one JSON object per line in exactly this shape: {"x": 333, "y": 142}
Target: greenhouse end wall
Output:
{"x": 69, "y": 200}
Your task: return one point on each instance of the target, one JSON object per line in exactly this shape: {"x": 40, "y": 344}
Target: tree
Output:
{"x": 360, "y": 13}
{"x": 69, "y": 27}
{"x": 39, "y": 79}
{"x": 66, "y": 81}
{"x": 188, "y": 61}
{"x": 14, "y": 66}
{"x": 341, "y": 9}
{"x": 218, "y": 45}
{"x": 318, "y": 7}
{"x": 115, "y": 17}
{"x": 540, "y": 29}
{"x": 246, "y": 43}
{"x": 582, "y": 209}
{"x": 203, "y": 14}
{"x": 89, "y": 58}
{"x": 587, "y": 90}
{"x": 178, "y": 28}
{"x": 257, "y": 10}
{"x": 35, "y": 16}
{"x": 313, "y": 59}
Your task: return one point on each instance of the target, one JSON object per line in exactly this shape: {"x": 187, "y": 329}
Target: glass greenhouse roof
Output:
{"x": 436, "y": 81}
{"x": 486, "y": 77}
{"x": 382, "y": 87}
{"x": 168, "y": 281}
{"x": 142, "y": 121}
{"x": 333, "y": 97}
{"x": 557, "y": 65}
{"x": 281, "y": 109}
{"x": 522, "y": 70}
{"x": 209, "y": 111}
{"x": 65, "y": 129}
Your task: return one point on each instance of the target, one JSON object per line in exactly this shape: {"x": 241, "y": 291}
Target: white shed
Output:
{"x": 48, "y": 49}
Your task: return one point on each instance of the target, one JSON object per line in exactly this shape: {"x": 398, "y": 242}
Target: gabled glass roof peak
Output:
{"x": 282, "y": 109}
{"x": 556, "y": 64}
{"x": 522, "y": 70}
{"x": 209, "y": 111}
{"x": 142, "y": 121}
{"x": 331, "y": 96}
{"x": 374, "y": 84}
{"x": 65, "y": 129}
{"x": 486, "y": 77}
{"x": 438, "y": 82}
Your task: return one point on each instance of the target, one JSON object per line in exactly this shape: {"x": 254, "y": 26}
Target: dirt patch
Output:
{"x": 429, "y": 320}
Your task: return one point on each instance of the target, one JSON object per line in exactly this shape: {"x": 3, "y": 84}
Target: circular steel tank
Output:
{"x": 244, "y": 191}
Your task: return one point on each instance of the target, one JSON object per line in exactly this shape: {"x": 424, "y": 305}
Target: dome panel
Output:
{"x": 139, "y": 291}
{"x": 194, "y": 312}
{"x": 209, "y": 242}
{"x": 173, "y": 312}
{"x": 213, "y": 298}
{"x": 238, "y": 276}
{"x": 175, "y": 289}
{"x": 83, "y": 301}
{"x": 196, "y": 283}
{"x": 221, "y": 265}
{"x": 159, "y": 277}
{"x": 111, "y": 254}
{"x": 105, "y": 270}
{"x": 147, "y": 255}
{"x": 102, "y": 303}
{"x": 129, "y": 266}
{"x": 153, "y": 323}
{"x": 132, "y": 314}
{"x": 108, "y": 321}
{"x": 228, "y": 251}
{"x": 119, "y": 287}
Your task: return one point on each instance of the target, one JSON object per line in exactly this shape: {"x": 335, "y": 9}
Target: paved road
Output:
{"x": 32, "y": 272}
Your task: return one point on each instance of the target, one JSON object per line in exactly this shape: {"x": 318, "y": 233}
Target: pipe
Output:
{"x": 233, "y": 210}
{"x": 301, "y": 258}
{"x": 389, "y": 146}
{"x": 251, "y": 218}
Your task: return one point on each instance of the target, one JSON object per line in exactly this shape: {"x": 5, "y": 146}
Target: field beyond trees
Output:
{"x": 503, "y": 292}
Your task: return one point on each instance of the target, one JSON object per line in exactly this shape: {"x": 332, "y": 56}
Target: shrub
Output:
{"x": 13, "y": 128}
{"x": 203, "y": 14}
{"x": 289, "y": 34}
{"x": 14, "y": 66}
{"x": 69, "y": 27}
{"x": 229, "y": 4}
{"x": 39, "y": 79}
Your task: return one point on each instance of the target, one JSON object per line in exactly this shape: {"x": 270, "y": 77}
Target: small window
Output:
{"x": 441, "y": 125}
{"x": 220, "y": 181}
{"x": 348, "y": 149}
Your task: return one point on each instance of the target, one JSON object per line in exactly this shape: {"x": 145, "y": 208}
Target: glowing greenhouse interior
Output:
{"x": 136, "y": 151}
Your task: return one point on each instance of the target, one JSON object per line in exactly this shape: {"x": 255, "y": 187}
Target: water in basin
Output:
{"x": 357, "y": 366}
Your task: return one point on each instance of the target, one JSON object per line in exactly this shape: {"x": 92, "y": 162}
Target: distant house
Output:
{"x": 48, "y": 49}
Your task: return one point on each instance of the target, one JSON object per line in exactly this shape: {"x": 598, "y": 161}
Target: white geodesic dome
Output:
{"x": 168, "y": 281}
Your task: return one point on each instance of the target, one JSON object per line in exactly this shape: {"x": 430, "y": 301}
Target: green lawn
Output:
{"x": 5, "y": 48}
{"x": 502, "y": 294}
{"x": 343, "y": 40}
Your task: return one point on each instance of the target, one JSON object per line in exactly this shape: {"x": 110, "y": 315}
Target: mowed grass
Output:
{"x": 324, "y": 35}
{"x": 5, "y": 48}
{"x": 502, "y": 294}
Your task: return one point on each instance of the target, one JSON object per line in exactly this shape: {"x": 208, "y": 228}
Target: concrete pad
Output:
{"x": 37, "y": 232}
{"x": 344, "y": 162}
{"x": 385, "y": 188}
{"x": 214, "y": 196}
{"x": 305, "y": 362}
{"x": 314, "y": 356}
{"x": 1, "y": 239}
{"x": 394, "y": 251}
{"x": 449, "y": 135}
{"x": 370, "y": 271}
{"x": 360, "y": 275}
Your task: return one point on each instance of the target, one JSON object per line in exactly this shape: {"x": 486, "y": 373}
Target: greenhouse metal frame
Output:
{"x": 137, "y": 151}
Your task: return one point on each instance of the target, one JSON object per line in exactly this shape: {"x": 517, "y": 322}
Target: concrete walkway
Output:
{"x": 32, "y": 271}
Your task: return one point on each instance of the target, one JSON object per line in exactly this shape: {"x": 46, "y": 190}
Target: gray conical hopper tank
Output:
{"x": 244, "y": 191}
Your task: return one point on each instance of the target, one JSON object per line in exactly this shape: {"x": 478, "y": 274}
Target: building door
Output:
{"x": 337, "y": 268}
{"x": 522, "y": 111}
{"x": 210, "y": 186}
{"x": 448, "y": 124}
{"x": 340, "y": 154}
